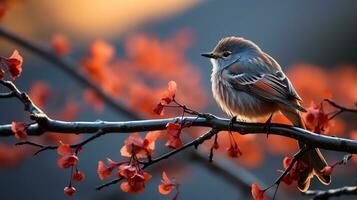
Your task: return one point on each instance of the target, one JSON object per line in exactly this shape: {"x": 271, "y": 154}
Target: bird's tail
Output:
{"x": 313, "y": 158}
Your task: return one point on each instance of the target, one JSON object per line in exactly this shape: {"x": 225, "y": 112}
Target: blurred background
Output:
{"x": 131, "y": 49}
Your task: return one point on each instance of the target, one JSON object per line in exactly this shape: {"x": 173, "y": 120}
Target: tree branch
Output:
{"x": 340, "y": 108}
{"x": 326, "y": 194}
{"x": 243, "y": 128}
{"x": 35, "y": 112}
{"x": 73, "y": 146}
{"x": 296, "y": 157}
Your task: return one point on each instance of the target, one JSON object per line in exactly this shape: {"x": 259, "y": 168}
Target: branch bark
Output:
{"x": 326, "y": 194}
{"x": 83, "y": 127}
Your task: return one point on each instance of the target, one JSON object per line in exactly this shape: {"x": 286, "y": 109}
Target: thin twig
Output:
{"x": 296, "y": 157}
{"x": 198, "y": 141}
{"x": 340, "y": 108}
{"x": 326, "y": 194}
{"x": 73, "y": 146}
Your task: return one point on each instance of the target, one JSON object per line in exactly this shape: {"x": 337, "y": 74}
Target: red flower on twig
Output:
{"x": 67, "y": 156}
{"x": 19, "y": 129}
{"x": 141, "y": 147}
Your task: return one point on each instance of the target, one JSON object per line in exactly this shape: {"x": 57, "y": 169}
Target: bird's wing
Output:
{"x": 260, "y": 77}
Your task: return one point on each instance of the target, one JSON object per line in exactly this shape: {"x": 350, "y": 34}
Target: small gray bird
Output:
{"x": 248, "y": 84}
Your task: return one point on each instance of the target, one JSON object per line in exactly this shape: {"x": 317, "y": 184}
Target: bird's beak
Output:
{"x": 208, "y": 55}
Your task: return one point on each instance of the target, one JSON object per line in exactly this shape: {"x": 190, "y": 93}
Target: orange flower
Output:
{"x": 69, "y": 191}
{"x": 233, "y": 150}
{"x": 327, "y": 170}
{"x": 142, "y": 148}
{"x": 316, "y": 119}
{"x": 174, "y": 132}
{"x": 135, "y": 177}
{"x": 91, "y": 98}
{"x": 166, "y": 186}
{"x": 19, "y": 129}
{"x": 104, "y": 171}
{"x": 166, "y": 97}
{"x": 295, "y": 172}
{"x": 60, "y": 44}
{"x": 170, "y": 93}
{"x": 14, "y": 64}
{"x": 78, "y": 176}
{"x": 67, "y": 157}
{"x": 302, "y": 75}
{"x": 257, "y": 193}
{"x": 101, "y": 51}
{"x": 40, "y": 93}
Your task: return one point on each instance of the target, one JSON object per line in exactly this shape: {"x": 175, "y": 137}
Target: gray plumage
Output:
{"x": 250, "y": 84}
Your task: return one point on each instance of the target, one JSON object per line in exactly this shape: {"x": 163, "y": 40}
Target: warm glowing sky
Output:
{"x": 90, "y": 18}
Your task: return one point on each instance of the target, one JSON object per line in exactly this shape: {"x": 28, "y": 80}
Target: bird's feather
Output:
{"x": 262, "y": 76}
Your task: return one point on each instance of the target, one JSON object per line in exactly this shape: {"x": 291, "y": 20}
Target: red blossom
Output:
{"x": 327, "y": 170}
{"x": 67, "y": 157}
{"x": 19, "y": 129}
{"x": 141, "y": 147}
{"x": 295, "y": 172}
{"x": 234, "y": 151}
{"x": 170, "y": 93}
{"x": 60, "y": 44}
{"x": 40, "y": 93}
{"x": 102, "y": 51}
{"x": 14, "y": 64}
{"x": 159, "y": 109}
{"x": 91, "y": 98}
{"x": 166, "y": 98}
{"x": 316, "y": 119}
{"x": 257, "y": 193}
{"x": 69, "y": 191}
{"x": 174, "y": 132}
{"x": 166, "y": 185}
{"x": 136, "y": 178}
{"x": 105, "y": 171}
{"x": 78, "y": 176}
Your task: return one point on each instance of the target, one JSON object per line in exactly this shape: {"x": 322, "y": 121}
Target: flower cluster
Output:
{"x": 68, "y": 159}
{"x": 316, "y": 119}
{"x": 167, "y": 97}
{"x": 13, "y": 65}
{"x": 295, "y": 172}
{"x": 135, "y": 177}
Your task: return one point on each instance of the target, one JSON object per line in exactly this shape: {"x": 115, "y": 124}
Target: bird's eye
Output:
{"x": 227, "y": 53}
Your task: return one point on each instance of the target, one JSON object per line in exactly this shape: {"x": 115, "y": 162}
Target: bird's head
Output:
{"x": 230, "y": 49}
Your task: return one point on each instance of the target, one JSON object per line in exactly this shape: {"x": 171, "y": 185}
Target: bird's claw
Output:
{"x": 231, "y": 123}
{"x": 267, "y": 125}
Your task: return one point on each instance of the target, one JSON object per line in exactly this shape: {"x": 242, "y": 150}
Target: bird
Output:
{"x": 249, "y": 84}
